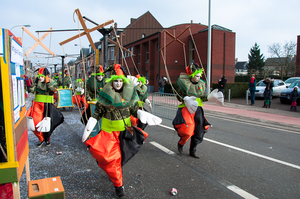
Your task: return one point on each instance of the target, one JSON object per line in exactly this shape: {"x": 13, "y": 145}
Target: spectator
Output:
{"x": 28, "y": 83}
{"x": 252, "y": 88}
{"x": 269, "y": 84}
{"x": 267, "y": 97}
{"x": 161, "y": 83}
{"x": 222, "y": 84}
{"x": 293, "y": 97}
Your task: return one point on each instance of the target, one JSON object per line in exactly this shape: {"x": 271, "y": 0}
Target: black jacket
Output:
{"x": 294, "y": 95}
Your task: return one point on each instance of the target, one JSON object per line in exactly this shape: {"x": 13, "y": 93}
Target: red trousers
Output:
{"x": 37, "y": 113}
{"x": 105, "y": 148}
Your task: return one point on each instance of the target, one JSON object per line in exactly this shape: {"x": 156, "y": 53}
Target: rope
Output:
{"x": 195, "y": 47}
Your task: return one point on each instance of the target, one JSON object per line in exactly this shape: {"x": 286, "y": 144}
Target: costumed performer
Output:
{"x": 190, "y": 121}
{"x": 116, "y": 103}
{"x": 93, "y": 87}
{"x": 43, "y": 117}
{"x": 78, "y": 97}
{"x": 67, "y": 80}
{"x": 142, "y": 91}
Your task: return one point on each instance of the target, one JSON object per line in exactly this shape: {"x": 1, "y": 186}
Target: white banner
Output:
{"x": 16, "y": 53}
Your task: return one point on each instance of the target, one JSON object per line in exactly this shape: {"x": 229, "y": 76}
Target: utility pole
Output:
{"x": 209, "y": 50}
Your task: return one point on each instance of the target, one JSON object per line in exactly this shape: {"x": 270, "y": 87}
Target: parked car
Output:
{"x": 291, "y": 80}
{"x": 285, "y": 94}
{"x": 279, "y": 85}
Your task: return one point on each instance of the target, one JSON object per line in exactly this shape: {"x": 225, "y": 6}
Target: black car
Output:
{"x": 285, "y": 94}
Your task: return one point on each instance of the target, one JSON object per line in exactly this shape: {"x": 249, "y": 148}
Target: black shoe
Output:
{"x": 40, "y": 144}
{"x": 120, "y": 191}
{"x": 48, "y": 143}
{"x": 193, "y": 154}
{"x": 180, "y": 148}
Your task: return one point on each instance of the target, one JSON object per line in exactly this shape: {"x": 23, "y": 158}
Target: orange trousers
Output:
{"x": 37, "y": 113}
{"x": 105, "y": 148}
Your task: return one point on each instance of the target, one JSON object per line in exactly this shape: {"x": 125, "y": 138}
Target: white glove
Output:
{"x": 44, "y": 125}
{"x": 89, "y": 128}
{"x": 191, "y": 104}
{"x": 134, "y": 79}
{"x": 148, "y": 118}
{"x": 30, "y": 124}
{"x": 147, "y": 106}
{"x": 216, "y": 97}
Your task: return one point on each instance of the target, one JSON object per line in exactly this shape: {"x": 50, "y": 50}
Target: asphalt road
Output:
{"x": 237, "y": 160}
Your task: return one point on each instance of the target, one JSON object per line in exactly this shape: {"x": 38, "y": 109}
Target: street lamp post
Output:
{"x": 20, "y": 25}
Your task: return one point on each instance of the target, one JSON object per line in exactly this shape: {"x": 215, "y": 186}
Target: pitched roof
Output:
{"x": 241, "y": 65}
{"x": 277, "y": 61}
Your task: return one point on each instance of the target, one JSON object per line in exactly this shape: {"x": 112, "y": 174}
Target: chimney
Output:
{"x": 116, "y": 26}
{"x": 191, "y": 21}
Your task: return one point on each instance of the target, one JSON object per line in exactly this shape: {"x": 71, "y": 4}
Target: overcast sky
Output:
{"x": 263, "y": 21}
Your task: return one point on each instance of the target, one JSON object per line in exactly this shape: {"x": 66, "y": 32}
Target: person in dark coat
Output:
{"x": 252, "y": 88}
{"x": 269, "y": 84}
{"x": 293, "y": 97}
{"x": 222, "y": 83}
{"x": 267, "y": 97}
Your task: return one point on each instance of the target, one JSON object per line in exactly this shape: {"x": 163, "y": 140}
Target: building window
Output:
{"x": 143, "y": 35}
{"x": 112, "y": 53}
{"x": 131, "y": 50}
{"x": 147, "y": 52}
{"x": 191, "y": 51}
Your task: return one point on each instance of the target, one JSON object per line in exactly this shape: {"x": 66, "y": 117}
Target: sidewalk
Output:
{"x": 237, "y": 107}
{"x": 271, "y": 115}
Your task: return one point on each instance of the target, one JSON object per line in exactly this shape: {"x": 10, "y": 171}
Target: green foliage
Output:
{"x": 256, "y": 61}
{"x": 237, "y": 90}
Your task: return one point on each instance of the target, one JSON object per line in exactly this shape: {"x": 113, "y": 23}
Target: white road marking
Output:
{"x": 164, "y": 149}
{"x": 244, "y": 151}
{"x": 231, "y": 187}
{"x": 241, "y": 192}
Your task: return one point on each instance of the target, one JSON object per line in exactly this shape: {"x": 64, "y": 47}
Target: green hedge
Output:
{"x": 237, "y": 90}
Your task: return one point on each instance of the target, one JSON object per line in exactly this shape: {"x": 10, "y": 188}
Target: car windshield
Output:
{"x": 297, "y": 83}
{"x": 291, "y": 80}
{"x": 260, "y": 83}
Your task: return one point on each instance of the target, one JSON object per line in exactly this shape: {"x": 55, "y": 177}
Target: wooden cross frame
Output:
{"x": 175, "y": 38}
{"x": 86, "y": 31}
{"x": 118, "y": 45}
{"x": 38, "y": 41}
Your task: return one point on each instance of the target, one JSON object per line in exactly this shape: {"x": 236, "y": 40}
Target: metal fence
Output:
{"x": 164, "y": 105}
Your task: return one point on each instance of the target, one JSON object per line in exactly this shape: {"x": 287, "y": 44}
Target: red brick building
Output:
{"x": 297, "y": 73}
{"x": 147, "y": 39}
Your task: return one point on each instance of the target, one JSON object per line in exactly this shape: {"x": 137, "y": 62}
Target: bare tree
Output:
{"x": 285, "y": 54}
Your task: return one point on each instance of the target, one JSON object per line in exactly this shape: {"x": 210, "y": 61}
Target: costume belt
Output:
{"x": 199, "y": 100}
{"x": 114, "y": 125}
{"x": 141, "y": 103}
{"x": 44, "y": 98}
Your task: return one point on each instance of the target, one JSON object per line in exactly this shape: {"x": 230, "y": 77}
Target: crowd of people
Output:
{"x": 122, "y": 108}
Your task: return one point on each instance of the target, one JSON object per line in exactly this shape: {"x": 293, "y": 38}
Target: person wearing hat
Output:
{"x": 117, "y": 101}
{"x": 142, "y": 91}
{"x": 43, "y": 117}
{"x": 67, "y": 80}
{"x": 293, "y": 97}
{"x": 190, "y": 121}
{"x": 78, "y": 97}
{"x": 93, "y": 87}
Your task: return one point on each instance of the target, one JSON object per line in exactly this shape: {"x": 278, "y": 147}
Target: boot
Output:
{"x": 120, "y": 191}
{"x": 291, "y": 108}
{"x": 180, "y": 148}
{"x": 295, "y": 109}
{"x": 193, "y": 154}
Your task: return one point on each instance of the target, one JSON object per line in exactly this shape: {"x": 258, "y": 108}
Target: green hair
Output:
{"x": 79, "y": 80}
{"x": 115, "y": 77}
{"x": 98, "y": 74}
{"x": 142, "y": 79}
{"x": 197, "y": 72}
{"x": 39, "y": 75}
